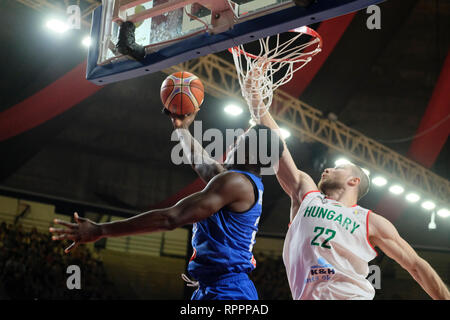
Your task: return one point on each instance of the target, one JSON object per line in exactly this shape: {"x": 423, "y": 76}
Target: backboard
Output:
{"x": 174, "y": 31}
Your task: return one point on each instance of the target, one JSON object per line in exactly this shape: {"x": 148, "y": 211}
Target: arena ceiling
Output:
{"x": 113, "y": 147}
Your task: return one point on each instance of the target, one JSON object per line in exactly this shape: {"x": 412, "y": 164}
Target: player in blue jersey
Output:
{"x": 225, "y": 215}
{"x": 222, "y": 244}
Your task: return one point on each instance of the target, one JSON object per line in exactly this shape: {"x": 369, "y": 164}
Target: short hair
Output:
{"x": 364, "y": 184}
{"x": 262, "y": 131}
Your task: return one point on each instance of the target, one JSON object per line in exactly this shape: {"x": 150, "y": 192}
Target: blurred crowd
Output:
{"x": 270, "y": 278}
{"x": 32, "y": 266}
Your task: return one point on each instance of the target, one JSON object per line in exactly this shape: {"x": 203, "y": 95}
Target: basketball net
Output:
{"x": 257, "y": 72}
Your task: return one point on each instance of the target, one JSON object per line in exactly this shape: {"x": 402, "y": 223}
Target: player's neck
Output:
{"x": 345, "y": 197}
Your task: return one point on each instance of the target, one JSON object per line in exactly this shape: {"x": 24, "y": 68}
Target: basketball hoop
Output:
{"x": 261, "y": 74}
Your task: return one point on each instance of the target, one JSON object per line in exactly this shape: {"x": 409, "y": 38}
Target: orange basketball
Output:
{"x": 182, "y": 93}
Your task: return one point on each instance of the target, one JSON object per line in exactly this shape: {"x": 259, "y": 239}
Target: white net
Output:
{"x": 262, "y": 73}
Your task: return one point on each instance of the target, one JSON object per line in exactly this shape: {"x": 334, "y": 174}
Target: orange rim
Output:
{"x": 303, "y": 30}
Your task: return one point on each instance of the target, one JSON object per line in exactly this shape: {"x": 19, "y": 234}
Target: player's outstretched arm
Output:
{"x": 224, "y": 189}
{"x": 205, "y": 166}
{"x": 294, "y": 182}
{"x": 384, "y": 235}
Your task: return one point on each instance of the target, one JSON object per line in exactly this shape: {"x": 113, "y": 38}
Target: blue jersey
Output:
{"x": 223, "y": 242}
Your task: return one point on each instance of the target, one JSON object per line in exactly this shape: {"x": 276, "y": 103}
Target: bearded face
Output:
{"x": 333, "y": 179}
{"x": 329, "y": 185}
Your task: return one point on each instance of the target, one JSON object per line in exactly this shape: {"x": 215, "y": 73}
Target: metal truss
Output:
{"x": 307, "y": 123}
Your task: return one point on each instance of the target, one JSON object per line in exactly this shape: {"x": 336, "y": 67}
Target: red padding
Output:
{"x": 331, "y": 32}
{"x": 49, "y": 102}
{"x": 426, "y": 149}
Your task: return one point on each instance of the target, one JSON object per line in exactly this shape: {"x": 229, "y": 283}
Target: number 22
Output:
{"x": 320, "y": 231}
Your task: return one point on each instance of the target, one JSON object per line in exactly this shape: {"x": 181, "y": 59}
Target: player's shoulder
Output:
{"x": 231, "y": 181}
{"x": 379, "y": 226}
{"x": 312, "y": 197}
{"x": 306, "y": 186}
{"x": 360, "y": 209}
{"x": 233, "y": 176}
{"x": 376, "y": 219}
{"x": 360, "y": 213}
{"x": 312, "y": 194}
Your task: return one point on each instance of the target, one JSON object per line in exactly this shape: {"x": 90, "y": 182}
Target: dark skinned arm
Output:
{"x": 225, "y": 189}
{"x": 201, "y": 162}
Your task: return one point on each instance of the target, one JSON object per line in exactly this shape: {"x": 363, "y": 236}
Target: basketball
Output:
{"x": 182, "y": 93}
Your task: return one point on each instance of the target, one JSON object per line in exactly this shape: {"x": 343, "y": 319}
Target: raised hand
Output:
{"x": 255, "y": 75}
{"x": 83, "y": 231}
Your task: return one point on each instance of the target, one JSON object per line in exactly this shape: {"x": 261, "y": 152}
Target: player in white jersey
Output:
{"x": 326, "y": 250}
{"x": 331, "y": 239}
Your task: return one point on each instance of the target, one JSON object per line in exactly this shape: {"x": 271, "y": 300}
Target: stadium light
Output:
{"x": 57, "y": 25}
{"x": 428, "y": 205}
{"x": 443, "y": 213}
{"x": 233, "y": 110}
{"x": 396, "y": 189}
{"x": 285, "y": 133}
{"x": 86, "y": 41}
{"x": 341, "y": 161}
{"x": 379, "y": 181}
{"x": 412, "y": 197}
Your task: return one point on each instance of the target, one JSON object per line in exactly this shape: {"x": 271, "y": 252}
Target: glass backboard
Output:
{"x": 174, "y": 31}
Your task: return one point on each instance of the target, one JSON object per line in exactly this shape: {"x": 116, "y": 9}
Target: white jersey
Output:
{"x": 327, "y": 250}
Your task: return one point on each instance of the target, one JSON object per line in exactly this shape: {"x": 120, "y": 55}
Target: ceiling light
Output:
{"x": 428, "y": 205}
{"x": 341, "y": 161}
{"x": 233, "y": 110}
{"x": 285, "y": 133}
{"x": 412, "y": 197}
{"x": 57, "y": 25}
{"x": 86, "y": 41}
{"x": 396, "y": 189}
{"x": 379, "y": 181}
{"x": 443, "y": 213}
